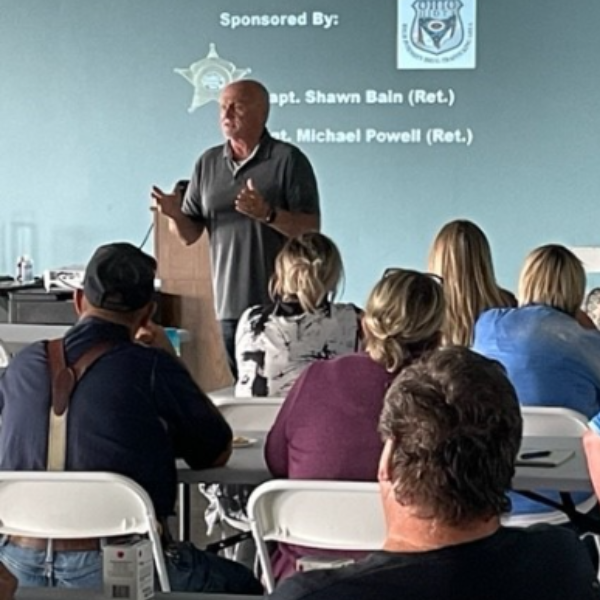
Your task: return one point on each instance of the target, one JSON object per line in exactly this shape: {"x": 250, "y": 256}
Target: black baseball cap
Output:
{"x": 119, "y": 277}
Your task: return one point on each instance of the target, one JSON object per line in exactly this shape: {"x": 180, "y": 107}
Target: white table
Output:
{"x": 248, "y": 466}
{"x": 571, "y": 476}
{"x": 29, "y": 593}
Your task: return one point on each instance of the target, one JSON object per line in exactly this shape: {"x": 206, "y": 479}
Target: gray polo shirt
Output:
{"x": 242, "y": 249}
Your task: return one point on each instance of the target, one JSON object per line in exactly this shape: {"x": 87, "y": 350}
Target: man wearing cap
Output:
{"x": 133, "y": 412}
{"x": 249, "y": 194}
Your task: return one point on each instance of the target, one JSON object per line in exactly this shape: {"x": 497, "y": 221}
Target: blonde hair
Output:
{"x": 308, "y": 269}
{"x": 554, "y": 276}
{"x": 403, "y": 317}
{"x": 461, "y": 255}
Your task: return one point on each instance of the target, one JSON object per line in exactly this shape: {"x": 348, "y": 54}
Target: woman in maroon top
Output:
{"x": 327, "y": 426}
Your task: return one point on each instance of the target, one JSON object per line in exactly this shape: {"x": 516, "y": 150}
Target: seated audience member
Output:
{"x": 274, "y": 343}
{"x": 551, "y": 359}
{"x": 134, "y": 410}
{"x": 327, "y": 426}
{"x": 462, "y": 257}
{"x": 452, "y": 430}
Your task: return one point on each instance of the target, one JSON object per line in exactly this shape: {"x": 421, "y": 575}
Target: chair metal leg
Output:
{"x": 184, "y": 511}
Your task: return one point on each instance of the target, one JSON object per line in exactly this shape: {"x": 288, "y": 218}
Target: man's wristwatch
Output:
{"x": 271, "y": 215}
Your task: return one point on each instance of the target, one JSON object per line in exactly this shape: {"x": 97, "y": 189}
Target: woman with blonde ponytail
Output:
{"x": 274, "y": 343}
{"x": 327, "y": 426}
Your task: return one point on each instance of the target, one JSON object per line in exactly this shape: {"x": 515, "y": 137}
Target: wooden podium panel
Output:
{"x": 186, "y": 286}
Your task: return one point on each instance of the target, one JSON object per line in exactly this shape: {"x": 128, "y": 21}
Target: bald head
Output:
{"x": 244, "y": 108}
{"x": 251, "y": 90}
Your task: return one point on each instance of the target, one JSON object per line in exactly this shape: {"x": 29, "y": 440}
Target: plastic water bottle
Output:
{"x": 24, "y": 269}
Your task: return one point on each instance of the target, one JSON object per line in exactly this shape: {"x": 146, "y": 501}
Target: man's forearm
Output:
{"x": 185, "y": 229}
{"x": 292, "y": 224}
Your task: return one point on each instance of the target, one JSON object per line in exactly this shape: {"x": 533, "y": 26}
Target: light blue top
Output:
{"x": 550, "y": 359}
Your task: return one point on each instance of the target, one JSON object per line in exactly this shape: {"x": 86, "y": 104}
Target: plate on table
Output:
{"x": 241, "y": 441}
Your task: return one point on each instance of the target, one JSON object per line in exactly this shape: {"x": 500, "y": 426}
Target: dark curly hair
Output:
{"x": 456, "y": 425}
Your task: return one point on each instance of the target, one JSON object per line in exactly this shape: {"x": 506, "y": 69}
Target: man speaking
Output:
{"x": 249, "y": 194}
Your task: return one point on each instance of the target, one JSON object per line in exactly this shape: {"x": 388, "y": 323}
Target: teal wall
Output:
{"x": 92, "y": 114}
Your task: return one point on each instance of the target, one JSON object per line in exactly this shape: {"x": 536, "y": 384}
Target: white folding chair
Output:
{"x": 551, "y": 421}
{"x": 249, "y": 414}
{"x": 226, "y": 392}
{"x": 75, "y": 504}
{"x": 338, "y": 515}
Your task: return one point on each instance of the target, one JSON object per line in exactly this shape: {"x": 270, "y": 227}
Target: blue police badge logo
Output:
{"x": 436, "y": 34}
{"x": 437, "y": 26}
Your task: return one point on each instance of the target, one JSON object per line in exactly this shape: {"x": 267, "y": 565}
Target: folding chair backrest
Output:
{"x": 557, "y": 422}
{"x": 74, "y": 504}
{"x": 540, "y": 421}
{"x": 249, "y": 414}
{"x": 338, "y": 515}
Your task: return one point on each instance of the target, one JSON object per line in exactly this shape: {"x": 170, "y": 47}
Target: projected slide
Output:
{"x": 429, "y": 35}
{"x": 412, "y": 112}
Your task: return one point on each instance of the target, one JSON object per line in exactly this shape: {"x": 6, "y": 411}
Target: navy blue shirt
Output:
{"x": 134, "y": 412}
